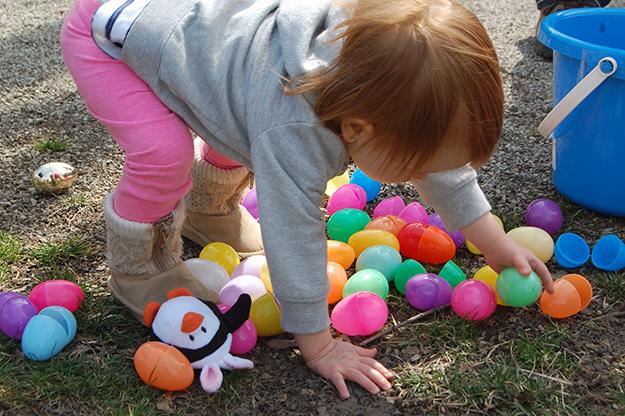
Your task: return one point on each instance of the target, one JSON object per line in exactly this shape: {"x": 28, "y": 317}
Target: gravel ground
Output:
{"x": 38, "y": 101}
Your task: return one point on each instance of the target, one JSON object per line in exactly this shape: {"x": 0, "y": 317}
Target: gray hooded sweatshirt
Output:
{"x": 221, "y": 65}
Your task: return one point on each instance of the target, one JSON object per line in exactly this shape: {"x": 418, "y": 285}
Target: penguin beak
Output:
{"x": 190, "y": 322}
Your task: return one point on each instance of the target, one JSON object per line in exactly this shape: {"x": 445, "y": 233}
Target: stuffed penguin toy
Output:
{"x": 200, "y": 331}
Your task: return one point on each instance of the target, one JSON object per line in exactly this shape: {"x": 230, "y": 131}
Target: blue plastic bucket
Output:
{"x": 589, "y": 144}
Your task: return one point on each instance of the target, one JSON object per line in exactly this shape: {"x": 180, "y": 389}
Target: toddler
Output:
{"x": 288, "y": 89}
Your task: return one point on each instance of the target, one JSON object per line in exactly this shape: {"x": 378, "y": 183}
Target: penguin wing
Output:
{"x": 238, "y": 313}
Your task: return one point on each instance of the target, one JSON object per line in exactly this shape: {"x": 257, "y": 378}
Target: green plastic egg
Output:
{"x": 517, "y": 290}
{"x": 405, "y": 271}
{"x": 367, "y": 280}
{"x": 345, "y": 222}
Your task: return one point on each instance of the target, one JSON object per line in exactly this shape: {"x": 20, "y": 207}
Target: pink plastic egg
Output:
{"x": 347, "y": 196}
{"x": 250, "y": 202}
{"x": 252, "y": 265}
{"x": 57, "y": 293}
{"x": 389, "y": 206}
{"x": 243, "y": 339}
{"x": 473, "y": 300}
{"x": 361, "y": 313}
{"x": 246, "y": 283}
{"x": 414, "y": 212}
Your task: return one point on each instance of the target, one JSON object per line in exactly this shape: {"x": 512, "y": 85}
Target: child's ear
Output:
{"x": 354, "y": 129}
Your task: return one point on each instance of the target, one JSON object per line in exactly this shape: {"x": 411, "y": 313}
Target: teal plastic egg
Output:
{"x": 48, "y": 332}
{"x": 382, "y": 258}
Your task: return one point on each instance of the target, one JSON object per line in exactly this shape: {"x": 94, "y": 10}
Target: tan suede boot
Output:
{"x": 144, "y": 260}
{"x": 213, "y": 208}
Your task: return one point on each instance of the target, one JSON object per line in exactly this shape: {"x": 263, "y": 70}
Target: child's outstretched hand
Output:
{"x": 501, "y": 252}
{"x": 337, "y": 361}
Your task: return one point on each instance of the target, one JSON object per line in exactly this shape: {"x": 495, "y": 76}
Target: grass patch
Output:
{"x": 58, "y": 253}
{"x": 74, "y": 201}
{"x": 542, "y": 352}
{"x": 611, "y": 284}
{"x": 11, "y": 251}
{"x": 50, "y": 145}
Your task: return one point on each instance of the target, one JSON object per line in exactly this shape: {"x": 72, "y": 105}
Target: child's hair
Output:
{"x": 408, "y": 67}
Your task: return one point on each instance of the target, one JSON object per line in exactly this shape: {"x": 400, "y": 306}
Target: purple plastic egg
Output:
{"x": 243, "y": 339}
{"x": 427, "y": 291}
{"x": 15, "y": 312}
{"x": 250, "y": 202}
{"x": 546, "y": 214}
{"x": 473, "y": 300}
{"x": 389, "y": 206}
{"x": 414, "y": 212}
{"x": 347, "y": 196}
{"x": 436, "y": 220}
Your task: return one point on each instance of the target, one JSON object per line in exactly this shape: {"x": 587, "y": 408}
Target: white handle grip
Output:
{"x": 576, "y": 96}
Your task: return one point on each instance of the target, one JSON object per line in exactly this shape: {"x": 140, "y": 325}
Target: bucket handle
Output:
{"x": 582, "y": 90}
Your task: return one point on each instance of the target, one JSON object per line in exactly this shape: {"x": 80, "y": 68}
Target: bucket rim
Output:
{"x": 563, "y": 43}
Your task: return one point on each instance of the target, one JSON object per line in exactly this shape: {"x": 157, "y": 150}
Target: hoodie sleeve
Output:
{"x": 292, "y": 164}
{"x": 455, "y": 195}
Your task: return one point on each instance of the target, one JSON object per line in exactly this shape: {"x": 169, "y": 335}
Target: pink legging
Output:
{"x": 157, "y": 143}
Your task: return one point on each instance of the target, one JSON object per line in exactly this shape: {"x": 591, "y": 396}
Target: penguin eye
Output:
{"x": 203, "y": 329}
{"x": 191, "y": 337}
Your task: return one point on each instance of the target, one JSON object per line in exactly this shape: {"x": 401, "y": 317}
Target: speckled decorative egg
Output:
{"x": 54, "y": 177}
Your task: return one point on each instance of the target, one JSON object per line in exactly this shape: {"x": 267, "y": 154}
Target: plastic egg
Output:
{"x": 517, "y": 290}
{"x": 341, "y": 253}
{"x": 265, "y": 277}
{"x": 265, "y": 314}
{"x": 609, "y": 253}
{"x": 405, "y": 271}
{"x": 246, "y": 283}
{"x": 364, "y": 239}
{"x": 347, "y": 196}
{"x": 336, "y": 182}
{"x": 382, "y": 258}
{"x": 243, "y": 339}
{"x": 346, "y": 222}
{"x": 15, "y": 312}
{"x": 360, "y": 314}
{"x": 544, "y": 214}
{"x": 48, "y": 332}
{"x": 535, "y": 240}
{"x": 473, "y": 300}
{"x": 474, "y": 249}
{"x": 251, "y": 265}
{"x": 250, "y": 202}
{"x": 426, "y": 243}
{"x": 427, "y": 291}
{"x": 389, "y": 206}
{"x": 57, "y": 293}
{"x": 452, "y": 273}
{"x": 572, "y": 294}
{"x": 221, "y": 253}
{"x": 337, "y": 277}
{"x": 163, "y": 366}
{"x": 371, "y": 187}
{"x": 210, "y": 274}
{"x": 414, "y": 212}
{"x": 54, "y": 177}
{"x": 367, "y": 280}
{"x": 571, "y": 250}
{"x": 487, "y": 275}
{"x": 389, "y": 223}
{"x": 436, "y": 220}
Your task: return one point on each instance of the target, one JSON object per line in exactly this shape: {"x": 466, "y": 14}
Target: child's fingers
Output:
{"x": 375, "y": 376}
{"x": 366, "y": 352}
{"x": 522, "y": 265}
{"x": 543, "y": 272}
{"x": 363, "y": 380}
{"x": 371, "y": 362}
{"x": 339, "y": 383}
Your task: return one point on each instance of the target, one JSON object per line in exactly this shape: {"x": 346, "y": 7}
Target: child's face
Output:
{"x": 380, "y": 166}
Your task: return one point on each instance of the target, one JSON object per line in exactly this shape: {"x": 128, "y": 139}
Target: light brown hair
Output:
{"x": 407, "y": 66}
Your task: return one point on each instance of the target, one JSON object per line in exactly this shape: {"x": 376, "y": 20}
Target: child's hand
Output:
{"x": 337, "y": 361}
{"x": 501, "y": 252}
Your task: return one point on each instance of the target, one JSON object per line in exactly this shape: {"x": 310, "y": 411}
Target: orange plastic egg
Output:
{"x": 426, "y": 243}
{"x": 364, "y": 239}
{"x": 163, "y": 366}
{"x": 341, "y": 253}
{"x": 572, "y": 294}
{"x": 389, "y": 223}
{"x": 337, "y": 279}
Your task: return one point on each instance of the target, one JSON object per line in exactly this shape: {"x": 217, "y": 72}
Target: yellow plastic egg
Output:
{"x": 221, "y": 253}
{"x": 364, "y": 239}
{"x": 336, "y": 182}
{"x": 536, "y": 240}
{"x": 487, "y": 275}
{"x": 474, "y": 249}
{"x": 266, "y": 278}
{"x": 265, "y": 314}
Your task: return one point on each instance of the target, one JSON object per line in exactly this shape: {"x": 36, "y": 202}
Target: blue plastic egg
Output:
{"x": 48, "y": 332}
{"x": 384, "y": 259}
{"x": 371, "y": 187}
